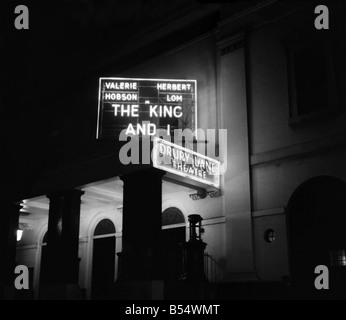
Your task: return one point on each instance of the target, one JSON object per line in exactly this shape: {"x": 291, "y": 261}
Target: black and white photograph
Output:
{"x": 173, "y": 150}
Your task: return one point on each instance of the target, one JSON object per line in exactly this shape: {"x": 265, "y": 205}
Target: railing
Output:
{"x": 213, "y": 270}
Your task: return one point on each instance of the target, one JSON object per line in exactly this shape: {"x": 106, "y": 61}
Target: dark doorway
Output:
{"x": 172, "y": 254}
{"x": 103, "y": 264}
{"x": 317, "y": 236}
{"x": 171, "y": 239}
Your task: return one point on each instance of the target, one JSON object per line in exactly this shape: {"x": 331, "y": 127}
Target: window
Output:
{"x": 105, "y": 226}
{"x": 337, "y": 258}
{"x": 172, "y": 215}
{"x": 269, "y": 235}
{"x": 312, "y": 90}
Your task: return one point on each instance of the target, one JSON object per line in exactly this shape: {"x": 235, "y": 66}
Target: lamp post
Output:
{"x": 193, "y": 252}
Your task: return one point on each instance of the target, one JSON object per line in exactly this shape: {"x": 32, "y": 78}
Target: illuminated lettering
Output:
{"x": 121, "y": 96}
{"x": 169, "y": 151}
{"x": 205, "y": 165}
{"x": 135, "y": 100}
{"x": 116, "y": 106}
{"x": 174, "y": 86}
{"x": 152, "y": 111}
{"x": 174, "y": 98}
{"x": 145, "y": 128}
{"x": 187, "y": 162}
{"x": 126, "y": 110}
{"x": 202, "y": 164}
{"x": 177, "y": 112}
{"x": 121, "y": 85}
{"x": 165, "y": 111}
{"x": 134, "y": 110}
{"x": 178, "y": 155}
{"x": 172, "y": 157}
{"x": 210, "y": 167}
{"x": 130, "y": 130}
{"x": 129, "y": 110}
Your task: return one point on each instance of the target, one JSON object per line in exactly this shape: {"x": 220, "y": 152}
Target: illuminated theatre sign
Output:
{"x": 141, "y": 106}
{"x": 185, "y": 162}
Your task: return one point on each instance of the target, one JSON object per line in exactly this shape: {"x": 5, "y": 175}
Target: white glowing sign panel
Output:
{"x": 184, "y": 162}
{"x": 141, "y": 106}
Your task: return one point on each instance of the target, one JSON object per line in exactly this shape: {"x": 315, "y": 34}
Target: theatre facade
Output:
{"x": 101, "y": 221}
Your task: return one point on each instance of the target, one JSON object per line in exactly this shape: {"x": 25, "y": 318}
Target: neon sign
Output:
{"x": 141, "y": 106}
{"x": 184, "y": 162}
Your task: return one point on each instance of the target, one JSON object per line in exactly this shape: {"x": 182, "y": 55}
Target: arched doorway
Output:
{"x": 173, "y": 233}
{"x": 103, "y": 262}
{"x": 317, "y": 236}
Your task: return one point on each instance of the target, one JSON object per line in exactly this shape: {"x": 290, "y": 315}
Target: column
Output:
{"x": 62, "y": 243}
{"x": 142, "y": 211}
{"x": 237, "y": 179}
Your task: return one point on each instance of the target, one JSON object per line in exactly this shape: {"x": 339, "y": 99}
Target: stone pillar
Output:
{"x": 237, "y": 179}
{"x": 8, "y": 245}
{"x": 62, "y": 245}
{"x": 142, "y": 214}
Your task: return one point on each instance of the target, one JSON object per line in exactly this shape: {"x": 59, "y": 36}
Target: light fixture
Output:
{"x": 20, "y": 229}
{"x": 201, "y": 194}
{"x": 19, "y": 234}
{"x": 214, "y": 193}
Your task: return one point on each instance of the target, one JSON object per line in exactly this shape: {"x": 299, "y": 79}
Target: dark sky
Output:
{"x": 49, "y": 73}
{"x": 48, "y": 108}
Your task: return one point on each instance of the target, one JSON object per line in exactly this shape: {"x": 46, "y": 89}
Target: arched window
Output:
{"x": 105, "y": 226}
{"x": 172, "y": 215}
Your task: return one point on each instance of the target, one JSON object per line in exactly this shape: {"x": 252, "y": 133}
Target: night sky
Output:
{"x": 49, "y": 77}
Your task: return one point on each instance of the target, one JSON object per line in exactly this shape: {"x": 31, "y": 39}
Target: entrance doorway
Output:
{"x": 317, "y": 236}
{"x": 173, "y": 234}
{"x": 103, "y": 263}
